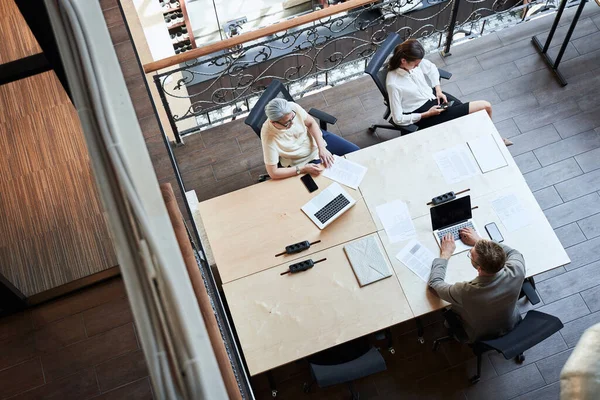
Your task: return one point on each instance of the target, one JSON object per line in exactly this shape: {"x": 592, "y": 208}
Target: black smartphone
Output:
{"x": 494, "y": 232}
{"x": 448, "y": 104}
{"x": 309, "y": 182}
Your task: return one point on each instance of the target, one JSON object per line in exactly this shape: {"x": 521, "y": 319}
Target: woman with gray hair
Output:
{"x": 294, "y": 144}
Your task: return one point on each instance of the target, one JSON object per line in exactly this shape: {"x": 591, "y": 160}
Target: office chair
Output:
{"x": 379, "y": 75}
{"x": 257, "y": 116}
{"x": 345, "y": 363}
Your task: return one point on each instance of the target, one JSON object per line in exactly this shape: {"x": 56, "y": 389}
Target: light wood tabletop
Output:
{"x": 536, "y": 241}
{"x": 404, "y": 168}
{"x": 246, "y": 228}
{"x": 280, "y": 319}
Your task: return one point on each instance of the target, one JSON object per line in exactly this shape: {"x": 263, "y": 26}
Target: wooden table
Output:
{"x": 284, "y": 318}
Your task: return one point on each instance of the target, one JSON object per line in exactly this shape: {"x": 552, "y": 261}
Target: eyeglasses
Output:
{"x": 287, "y": 124}
{"x": 470, "y": 257}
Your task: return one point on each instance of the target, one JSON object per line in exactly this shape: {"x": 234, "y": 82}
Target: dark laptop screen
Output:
{"x": 451, "y": 213}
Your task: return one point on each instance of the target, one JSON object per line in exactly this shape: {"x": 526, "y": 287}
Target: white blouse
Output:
{"x": 408, "y": 91}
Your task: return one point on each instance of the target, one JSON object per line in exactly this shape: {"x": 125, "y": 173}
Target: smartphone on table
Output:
{"x": 494, "y": 232}
{"x": 309, "y": 182}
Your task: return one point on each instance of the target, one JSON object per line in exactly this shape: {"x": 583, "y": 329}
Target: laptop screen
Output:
{"x": 451, "y": 213}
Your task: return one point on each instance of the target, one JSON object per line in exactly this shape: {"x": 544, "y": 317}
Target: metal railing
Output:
{"x": 324, "y": 52}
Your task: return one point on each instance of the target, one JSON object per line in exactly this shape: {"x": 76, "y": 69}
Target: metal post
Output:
{"x": 165, "y": 104}
{"x": 452, "y": 25}
{"x": 569, "y": 33}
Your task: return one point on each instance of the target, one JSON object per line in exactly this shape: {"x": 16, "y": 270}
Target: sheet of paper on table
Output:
{"x": 487, "y": 154}
{"x": 345, "y": 172}
{"x": 456, "y": 163}
{"x": 417, "y": 258}
{"x": 511, "y": 212}
{"x": 396, "y": 221}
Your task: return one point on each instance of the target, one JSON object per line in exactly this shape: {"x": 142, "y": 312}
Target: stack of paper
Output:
{"x": 367, "y": 260}
{"x": 396, "y": 221}
{"x": 487, "y": 154}
{"x": 417, "y": 258}
{"x": 456, "y": 163}
{"x": 345, "y": 172}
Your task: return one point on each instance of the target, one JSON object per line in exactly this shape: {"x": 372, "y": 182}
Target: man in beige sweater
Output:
{"x": 487, "y": 305}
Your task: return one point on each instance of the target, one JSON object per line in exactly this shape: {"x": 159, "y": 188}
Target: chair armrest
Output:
{"x": 322, "y": 116}
{"x": 444, "y": 74}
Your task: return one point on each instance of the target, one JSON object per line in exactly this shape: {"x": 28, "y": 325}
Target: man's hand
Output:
{"x": 325, "y": 156}
{"x": 441, "y": 97}
{"x": 469, "y": 236}
{"x": 313, "y": 169}
{"x": 448, "y": 247}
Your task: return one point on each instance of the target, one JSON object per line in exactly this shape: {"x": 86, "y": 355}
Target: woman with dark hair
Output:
{"x": 409, "y": 82}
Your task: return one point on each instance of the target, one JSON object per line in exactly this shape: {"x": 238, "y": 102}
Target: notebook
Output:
{"x": 367, "y": 260}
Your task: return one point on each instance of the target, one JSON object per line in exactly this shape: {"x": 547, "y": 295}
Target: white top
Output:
{"x": 408, "y": 91}
{"x": 292, "y": 146}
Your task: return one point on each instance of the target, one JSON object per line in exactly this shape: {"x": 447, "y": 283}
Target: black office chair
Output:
{"x": 257, "y": 116}
{"x": 379, "y": 75}
{"x": 345, "y": 363}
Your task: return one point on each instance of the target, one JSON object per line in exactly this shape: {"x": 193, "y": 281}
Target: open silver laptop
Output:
{"x": 451, "y": 217}
{"x": 328, "y": 205}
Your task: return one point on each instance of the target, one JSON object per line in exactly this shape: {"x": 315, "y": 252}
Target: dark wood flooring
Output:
{"x": 556, "y": 132}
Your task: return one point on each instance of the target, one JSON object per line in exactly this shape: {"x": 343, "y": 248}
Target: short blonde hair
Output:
{"x": 490, "y": 256}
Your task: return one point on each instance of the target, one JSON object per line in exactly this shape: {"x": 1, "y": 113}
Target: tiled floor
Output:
{"x": 556, "y": 135}
{"x": 82, "y": 346}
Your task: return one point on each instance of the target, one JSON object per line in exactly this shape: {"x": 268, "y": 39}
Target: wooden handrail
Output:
{"x": 250, "y": 36}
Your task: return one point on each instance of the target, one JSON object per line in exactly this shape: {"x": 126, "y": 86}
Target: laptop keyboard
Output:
{"x": 453, "y": 230}
{"x": 332, "y": 208}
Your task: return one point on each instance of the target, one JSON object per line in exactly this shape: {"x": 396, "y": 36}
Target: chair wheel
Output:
{"x": 273, "y": 393}
{"x": 473, "y": 380}
{"x": 421, "y": 340}
{"x": 306, "y": 388}
{"x": 372, "y": 129}
{"x": 392, "y": 350}
{"x": 520, "y": 358}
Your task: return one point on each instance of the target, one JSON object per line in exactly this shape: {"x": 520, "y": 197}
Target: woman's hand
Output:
{"x": 325, "y": 156}
{"x": 433, "y": 111}
{"x": 313, "y": 169}
{"x": 441, "y": 97}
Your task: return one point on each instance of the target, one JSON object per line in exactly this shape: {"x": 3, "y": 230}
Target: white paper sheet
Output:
{"x": 456, "y": 163}
{"x": 417, "y": 258}
{"x": 487, "y": 154}
{"x": 345, "y": 172}
{"x": 396, "y": 221}
{"x": 511, "y": 212}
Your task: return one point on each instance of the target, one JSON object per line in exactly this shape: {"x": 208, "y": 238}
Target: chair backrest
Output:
{"x": 367, "y": 364}
{"x": 535, "y": 327}
{"x": 257, "y": 116}
{"x": 374, "y": 67}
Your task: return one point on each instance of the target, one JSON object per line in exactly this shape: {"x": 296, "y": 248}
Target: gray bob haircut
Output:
{"x": 277, "y": 108}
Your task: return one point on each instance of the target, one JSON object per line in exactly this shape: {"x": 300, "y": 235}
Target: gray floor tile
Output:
{"x": 533, "y": 140}
{"x": 584, "y": 27}
{"x": 527, "y": 162}
{"x": 473, "y": 48}
{"x": 570, "y": 235}
{"x": 574, "y": 329}
{"x": 583, "y": 253}
{"x": 506, "y": 54}
{"x": 488, "y": 78}
{"x": 579, "y": 186}
{"x": 569, "y": 147}
{"x": 535, "y": 62}
{"x": 550, "y": 367}
{"x": 581, "y": 64}
{"x": 518, "y": 85}
{"x": 526, "y": 30}
{"x": 578, "y": 87}
{"x": 452, "y": 88}
{"x": 463, "y": 69}
{"x": 507, "y": 128}
{"x": 547, "y": 197}
{"x": 508, "y": 385}
{"x": 573, "y": 210}
{"x": 578, "y": 123}
{"x": 592, "y": 298}
{"x": 552, "y": 174}
{"x": 513, "y": 107}
{"x": 550, "y": 274}
{"x": 587, "y": 102}
{"x": 587, "y": 43}
{"x": 488, "y": 94}
{"x": 568, "y": 283}
{"x": 567, "y": 309}
{"x": 550, "y": 392}
{"x": 590, "y": 226}
{"x": 544, "y": 115}
{"x": 554, "y": 344}
{"x": 589, "y": 161}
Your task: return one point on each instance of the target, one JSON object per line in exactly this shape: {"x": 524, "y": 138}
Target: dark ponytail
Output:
{"x": 411, "y": 50}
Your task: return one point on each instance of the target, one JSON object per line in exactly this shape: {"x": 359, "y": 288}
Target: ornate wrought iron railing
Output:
{"x": 329, "y": 51}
